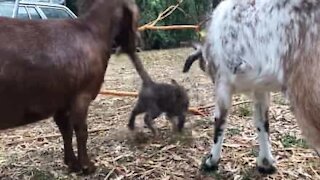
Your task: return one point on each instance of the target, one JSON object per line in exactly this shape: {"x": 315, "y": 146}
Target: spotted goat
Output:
{"x": 257, "y": 47}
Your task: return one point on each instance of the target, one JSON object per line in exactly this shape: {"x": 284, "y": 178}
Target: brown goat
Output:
{"x": 56, "y": 68}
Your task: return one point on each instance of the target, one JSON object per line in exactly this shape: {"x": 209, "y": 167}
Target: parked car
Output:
{"x": 36, "y": 10}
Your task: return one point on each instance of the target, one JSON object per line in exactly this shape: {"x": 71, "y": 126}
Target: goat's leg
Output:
{"x": 223, "y": 103}
{"x": 265, "y": 159}
{"x": 63, "y": 121}
{"x": 78, "y": 117}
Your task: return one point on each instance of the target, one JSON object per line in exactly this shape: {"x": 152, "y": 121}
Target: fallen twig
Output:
{"x": 50, "y": 136}
{"x": 110, "y": 173}
{"x": 197, "y": 111}
{"x": 234, "y": 104}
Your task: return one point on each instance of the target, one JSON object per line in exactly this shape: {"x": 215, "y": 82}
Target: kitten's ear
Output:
{"x": 174, "y": 82}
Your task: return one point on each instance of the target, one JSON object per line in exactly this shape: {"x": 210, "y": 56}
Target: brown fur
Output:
{"x": 84, "y": 6}
{"x": 56, "y": 68}
{"x": 302, "y": 71}
{"x": 304, "y": 93}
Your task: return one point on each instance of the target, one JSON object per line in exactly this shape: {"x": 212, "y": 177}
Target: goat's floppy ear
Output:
{"x": 126, "y": 33}
{"x": 133, "y": 10}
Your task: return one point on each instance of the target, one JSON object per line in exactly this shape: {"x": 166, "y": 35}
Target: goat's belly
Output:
{"x": 14, "y": 117}
{"x": 261, "y": 84}
{"x": 13, "y": 114}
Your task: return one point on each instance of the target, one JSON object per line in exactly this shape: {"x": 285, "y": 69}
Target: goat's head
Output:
{"x": 126, "y": 34}
{"x": 84, "y": 6}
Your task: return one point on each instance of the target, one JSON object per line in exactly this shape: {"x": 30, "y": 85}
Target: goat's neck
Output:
{"x": 101, "y": 19}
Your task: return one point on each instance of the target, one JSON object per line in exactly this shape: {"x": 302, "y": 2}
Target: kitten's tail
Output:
{"x": 146, "y": 79}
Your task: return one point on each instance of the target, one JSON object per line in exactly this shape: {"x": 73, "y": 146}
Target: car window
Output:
{"x": 55, "y": 13}
{"x": 22, "y": 13}
{"x": 59, "y": 1}
{"x": 33, "y": 13}
{"x": 52, "y": 1}
{"x": 6, "y": 10}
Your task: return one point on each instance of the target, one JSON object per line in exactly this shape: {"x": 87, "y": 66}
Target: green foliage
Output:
{"x": 190, "y": 12}
{"x": 244, "y": 110}
{"x": 72, "y": 5}
{"x": 233, "y": 131}
{"x": 41, "y": 175}
{"x": 292, "y": 141}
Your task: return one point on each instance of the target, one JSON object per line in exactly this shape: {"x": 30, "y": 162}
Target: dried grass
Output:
{"x": 35, "y": 151}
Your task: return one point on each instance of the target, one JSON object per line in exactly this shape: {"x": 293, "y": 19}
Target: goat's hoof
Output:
{"x": 267, "y": 170}
{"x": 155, "y": 133}
{"x": 89, "y": 169}
{"x": 179, "y": 132}
{"x": 208, "y": 168}
{"x": 74, "y": 167}
{"x": 70, "y": 160}
{"x": 131, "y": 127}
{"x": 156, "y": 136}
{"x": 266, "y": 166}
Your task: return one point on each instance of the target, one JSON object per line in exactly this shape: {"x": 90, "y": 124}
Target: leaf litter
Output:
{"x": 36, "y": 151}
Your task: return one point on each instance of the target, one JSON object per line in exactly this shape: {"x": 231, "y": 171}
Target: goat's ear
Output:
{"x": 126, "y": 33}
{"x": 133, "y": 10}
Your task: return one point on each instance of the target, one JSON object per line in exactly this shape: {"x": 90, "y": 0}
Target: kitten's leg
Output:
{"x": 138, "y": 109}
{"x": 151, "y": 114}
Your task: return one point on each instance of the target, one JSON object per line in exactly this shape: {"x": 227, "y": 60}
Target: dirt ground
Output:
{"x": 35, "y": 151}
